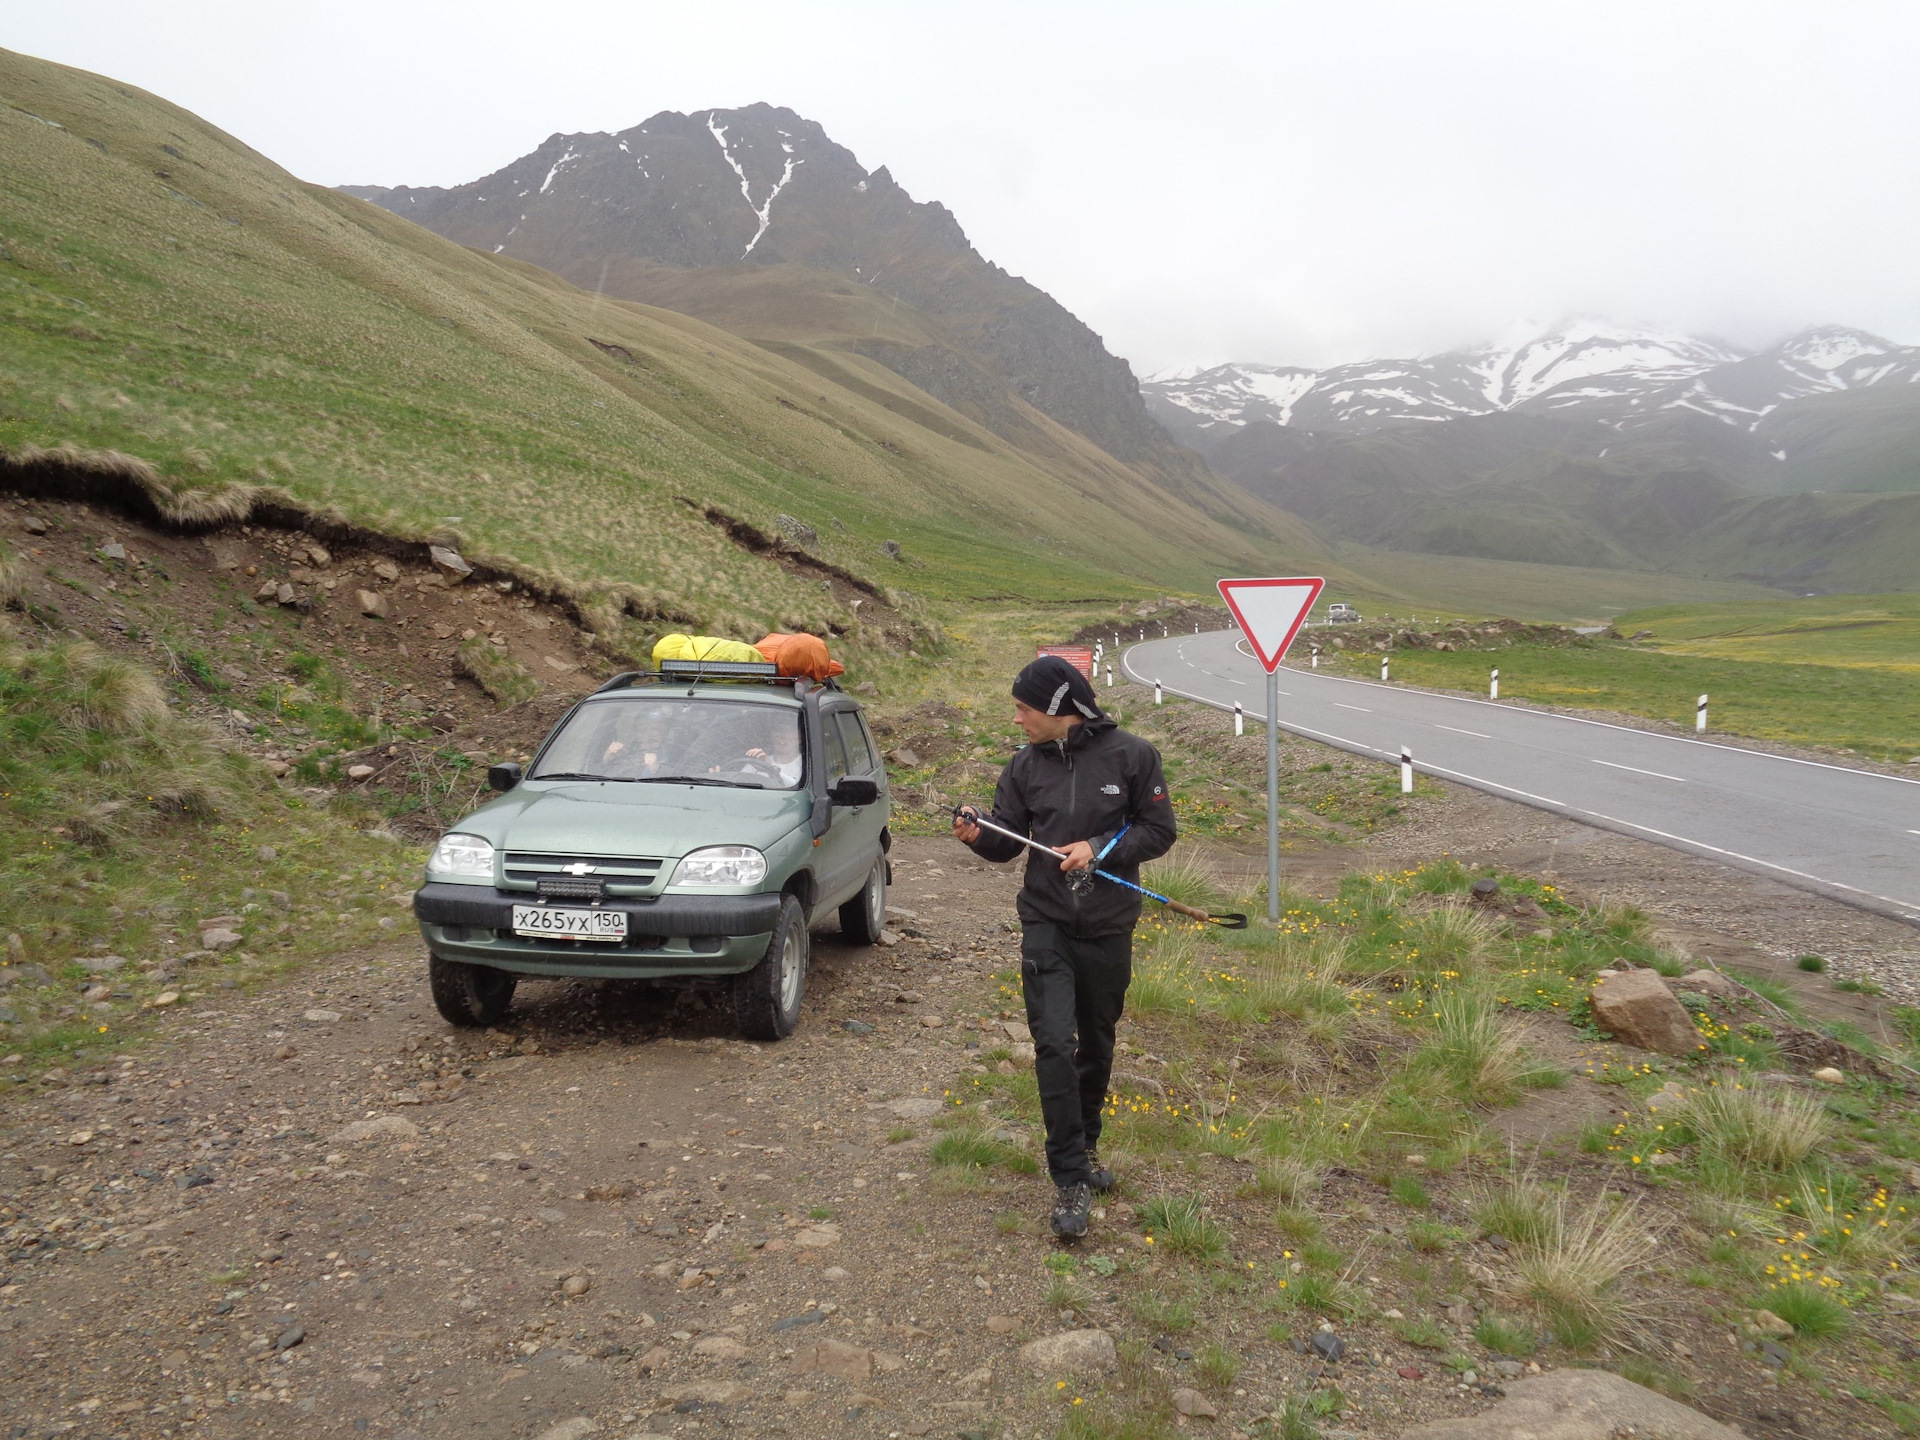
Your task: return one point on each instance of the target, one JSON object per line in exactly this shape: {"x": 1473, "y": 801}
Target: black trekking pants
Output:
{"x": 1075, "y": 987}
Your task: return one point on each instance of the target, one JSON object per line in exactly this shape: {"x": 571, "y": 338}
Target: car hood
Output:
{"x": 591, "y": 817}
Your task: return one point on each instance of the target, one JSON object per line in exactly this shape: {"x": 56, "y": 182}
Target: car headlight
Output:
{"x": 467, "y": 856}
{"x": 721, "y": 865}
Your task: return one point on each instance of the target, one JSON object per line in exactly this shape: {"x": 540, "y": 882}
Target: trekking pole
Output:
{"x": 1225, "y": 922}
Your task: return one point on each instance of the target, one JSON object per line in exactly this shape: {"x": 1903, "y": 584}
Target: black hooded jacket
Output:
{"x": 1085, "y": 787}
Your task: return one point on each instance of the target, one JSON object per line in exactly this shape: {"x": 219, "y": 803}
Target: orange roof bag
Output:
{"x": 801, "y": 654}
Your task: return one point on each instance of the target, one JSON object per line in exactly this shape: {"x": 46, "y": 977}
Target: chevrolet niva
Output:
{"x": 687, "y": 825}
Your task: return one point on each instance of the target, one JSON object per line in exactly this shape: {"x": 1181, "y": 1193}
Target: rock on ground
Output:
{"x": 1577, "y": 1405}
{"x": 1071, "y": 1352}
{"x": 1636, "y": 1007}
{"x": 835, "y": 1358}
{"x": 382, "y": 1127}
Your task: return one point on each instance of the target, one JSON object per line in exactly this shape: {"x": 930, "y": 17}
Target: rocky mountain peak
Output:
{"x": 761, "y": 186}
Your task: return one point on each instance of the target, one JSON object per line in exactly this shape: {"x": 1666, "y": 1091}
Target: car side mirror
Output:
{"x": 504, "y": 776}
{"x": 853, "y": 791}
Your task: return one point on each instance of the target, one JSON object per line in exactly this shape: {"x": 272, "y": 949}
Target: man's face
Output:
{"x": 1040, "y": 727}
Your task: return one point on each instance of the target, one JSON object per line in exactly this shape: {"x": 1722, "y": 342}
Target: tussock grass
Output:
{"x": 1452, "y": 937}
{"x": 1776, "y": 1129}
{"x": 1811, "y": 1310}
{"x": 1186, "y": 877}
{"x": 1477, "y": 1052}
{"x": 1568, "y": 1258}
{"x": 1289, "y": 1178}
{"x": 1180, "y": 1224}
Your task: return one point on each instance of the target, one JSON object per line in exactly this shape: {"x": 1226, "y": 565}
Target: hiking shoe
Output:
{"x": 1100, "y": 1178}
{"x": 1071, "y": 1206}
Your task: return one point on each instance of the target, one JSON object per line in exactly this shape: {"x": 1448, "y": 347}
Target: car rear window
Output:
{"x": 625, "y": 737}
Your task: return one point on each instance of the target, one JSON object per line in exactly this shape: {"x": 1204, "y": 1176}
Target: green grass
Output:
{"x": 234, "y": 327}
{"x": 122, "y": 823}
{"x": 1808, "y": 1308}
{"x": 1179, "y": 1225}
{"x": 1838, "y": 672}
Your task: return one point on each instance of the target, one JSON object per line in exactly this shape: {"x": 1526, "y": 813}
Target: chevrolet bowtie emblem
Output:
{"x": 579, "y": 867}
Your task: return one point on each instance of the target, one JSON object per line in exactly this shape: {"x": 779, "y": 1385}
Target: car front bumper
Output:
{"x": 675, "y": 935}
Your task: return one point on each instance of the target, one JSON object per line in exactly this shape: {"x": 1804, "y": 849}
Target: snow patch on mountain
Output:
{"x": 1614, "y": 373}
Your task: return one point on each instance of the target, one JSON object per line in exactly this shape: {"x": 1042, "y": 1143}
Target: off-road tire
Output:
{"x": 865, "y": 916}
{"x": 766, "y": 999}
{"x": 471, "y": 996}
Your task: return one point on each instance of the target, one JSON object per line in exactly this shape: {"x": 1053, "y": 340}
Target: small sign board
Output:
{"x": 1271, "y": 611}
{"x": 1078, "y": 656}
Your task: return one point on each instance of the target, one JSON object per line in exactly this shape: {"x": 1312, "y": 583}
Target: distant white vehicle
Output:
{"x": 1338, "y": 612}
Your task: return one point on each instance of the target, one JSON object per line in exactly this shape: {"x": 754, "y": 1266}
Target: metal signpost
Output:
{"x": 1270, "y": 613}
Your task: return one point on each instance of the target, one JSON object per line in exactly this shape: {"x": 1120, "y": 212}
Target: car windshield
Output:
{"x": 686, "y": 738}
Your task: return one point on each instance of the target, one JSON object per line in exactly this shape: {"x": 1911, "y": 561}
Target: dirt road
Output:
{"x": 611, "y": 1212}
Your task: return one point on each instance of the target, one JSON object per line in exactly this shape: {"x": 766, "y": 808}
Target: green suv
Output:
{"x": 688, "y": 825}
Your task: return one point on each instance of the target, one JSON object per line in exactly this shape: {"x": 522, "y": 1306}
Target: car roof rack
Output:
{"x": 765, "y": 673}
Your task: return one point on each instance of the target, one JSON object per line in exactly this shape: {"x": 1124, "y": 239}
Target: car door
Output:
{"x": 863, "y": 762}
{"x": 840, "y": 856}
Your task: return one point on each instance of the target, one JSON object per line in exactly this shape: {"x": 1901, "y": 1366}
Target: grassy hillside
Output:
{"x": 1768, "y": 666}
{"x": 169, "y": 293}
{"x": 1867, "y": 632}
{"x": 1459, "y": 585}
{"x": 1861, "y": 440}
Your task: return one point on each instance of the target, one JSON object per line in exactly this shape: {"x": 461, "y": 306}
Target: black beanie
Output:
{"x": 1050, "y": 685}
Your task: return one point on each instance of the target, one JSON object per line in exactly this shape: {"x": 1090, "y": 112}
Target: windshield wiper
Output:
{"x": 574, "y": 775}
{"x": 701, "y": 780}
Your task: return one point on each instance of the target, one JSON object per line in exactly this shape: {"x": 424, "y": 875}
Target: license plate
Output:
{"x": 557, "y": 923}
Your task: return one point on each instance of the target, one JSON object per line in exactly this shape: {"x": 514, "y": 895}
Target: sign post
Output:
{"x": 1270, "y": 613}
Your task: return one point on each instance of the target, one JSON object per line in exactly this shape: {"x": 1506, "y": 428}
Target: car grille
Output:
{"x": 619, "y": 874}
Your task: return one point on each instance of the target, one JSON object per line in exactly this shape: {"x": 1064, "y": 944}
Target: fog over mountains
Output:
{"x": 1621, "y": 376}
{"x": 1590, "y": 444}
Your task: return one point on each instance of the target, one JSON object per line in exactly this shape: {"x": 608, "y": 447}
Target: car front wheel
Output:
{"x": 863, "y": 917}
{"x": 766, "y": 1000}
{"x": 469, "y": 995}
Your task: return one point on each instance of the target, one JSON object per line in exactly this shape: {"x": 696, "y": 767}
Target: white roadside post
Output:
{"x": 1270, "y": 613}
{"x": 1156, "y": 694}
{"x": 1493, "y": 689}
{"x": 1700, "y": 715}
{"x": 1383, "y": 667}
{"x": 1109, "y": 677}
{"x": 1315, "y": 662}
{"x": 1239, "y": 718}
{"x": 1406, "y": 771}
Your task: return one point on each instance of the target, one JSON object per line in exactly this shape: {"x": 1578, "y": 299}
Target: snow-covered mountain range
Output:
{"x": 1589, "y": 369}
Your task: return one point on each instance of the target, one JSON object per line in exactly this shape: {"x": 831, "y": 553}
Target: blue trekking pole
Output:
{"x": 1225, "y": 922}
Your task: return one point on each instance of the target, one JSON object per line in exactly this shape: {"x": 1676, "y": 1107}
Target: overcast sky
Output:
{"x": 1293, "y": 183}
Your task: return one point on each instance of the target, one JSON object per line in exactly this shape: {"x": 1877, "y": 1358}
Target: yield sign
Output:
{"x": 1271, "y": 612}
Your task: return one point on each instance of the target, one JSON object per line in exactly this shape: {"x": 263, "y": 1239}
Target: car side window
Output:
{"x": 859, "y": 752}
{"x": 835, "y": 747}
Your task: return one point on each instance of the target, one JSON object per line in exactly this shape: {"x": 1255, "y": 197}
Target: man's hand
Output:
{"x": 1077, "y": 856}
{"x": 964, "y": 830}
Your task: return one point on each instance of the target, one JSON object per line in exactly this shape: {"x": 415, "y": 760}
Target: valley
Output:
{"x": 316, "y": 502}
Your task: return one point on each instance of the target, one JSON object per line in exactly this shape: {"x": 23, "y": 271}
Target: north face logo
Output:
{"x": 1109, "y": 789}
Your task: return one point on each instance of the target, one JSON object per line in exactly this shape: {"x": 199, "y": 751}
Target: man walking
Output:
{"x": 1089, "y": 789}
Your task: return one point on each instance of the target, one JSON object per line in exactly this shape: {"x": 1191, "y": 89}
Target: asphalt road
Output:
{"x": 1849, "y": 834}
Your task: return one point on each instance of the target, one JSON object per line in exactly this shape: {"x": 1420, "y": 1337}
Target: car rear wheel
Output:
{"x": 863, "y": 917}
{"x": 766, "y": 1000}
{"x": 469, "y": 995}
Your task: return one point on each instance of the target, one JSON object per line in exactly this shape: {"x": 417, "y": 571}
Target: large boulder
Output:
{"x": 1577, "y": 1405}
{"x": 1636, "y": 1007}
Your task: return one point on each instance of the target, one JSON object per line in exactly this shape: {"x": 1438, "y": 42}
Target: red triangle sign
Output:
{"x": 1271, "y": 612}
